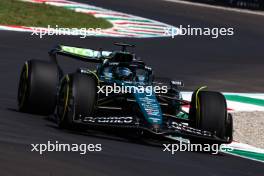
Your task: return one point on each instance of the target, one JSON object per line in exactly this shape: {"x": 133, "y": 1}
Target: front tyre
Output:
{"x": 77, "y": 99}
{"x": 208, "y": 112}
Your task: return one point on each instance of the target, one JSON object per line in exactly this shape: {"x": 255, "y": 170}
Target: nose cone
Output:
{"x": 150, "y": 107}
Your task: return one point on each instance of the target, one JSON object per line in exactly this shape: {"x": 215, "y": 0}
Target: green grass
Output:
{"x": 14, "y": 12}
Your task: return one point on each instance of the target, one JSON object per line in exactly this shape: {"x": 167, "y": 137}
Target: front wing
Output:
{"x": 173, "y": 130}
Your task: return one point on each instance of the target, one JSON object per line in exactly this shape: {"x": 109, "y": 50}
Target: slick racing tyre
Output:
{"x": 208, "y": 112}
{"x": 77, "y": 99}
{"x": 37, "y": 87}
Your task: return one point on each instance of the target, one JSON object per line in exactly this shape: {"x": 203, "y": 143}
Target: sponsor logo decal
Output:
{"x": 115, "y": 120}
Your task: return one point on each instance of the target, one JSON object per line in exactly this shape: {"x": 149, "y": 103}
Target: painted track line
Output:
{"x": 238, "y": 101}
{"x": 229, "y": 9}
{"x": 246, "y": 151}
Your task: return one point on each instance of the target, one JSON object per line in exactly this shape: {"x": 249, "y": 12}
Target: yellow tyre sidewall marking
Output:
{"x": 198, "y": 105}
{"x": 67, "y": 97}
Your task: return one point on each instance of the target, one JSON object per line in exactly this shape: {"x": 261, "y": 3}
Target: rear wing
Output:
{"x": 83, "y": 54}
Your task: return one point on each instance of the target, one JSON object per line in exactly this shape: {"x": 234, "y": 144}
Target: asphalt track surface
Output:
{"x": 229, "y": 64}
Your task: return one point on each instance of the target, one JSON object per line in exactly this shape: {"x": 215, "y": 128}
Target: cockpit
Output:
{"x": 124, "y": 73}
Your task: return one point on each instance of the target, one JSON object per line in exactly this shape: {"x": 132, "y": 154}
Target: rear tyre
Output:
{"x": 77, "y": 99}
{"x": 37, "y": 87}
{"x": 208, "y": 112}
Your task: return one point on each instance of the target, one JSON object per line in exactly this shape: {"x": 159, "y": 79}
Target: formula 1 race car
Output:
{"x": 120, "y": 93}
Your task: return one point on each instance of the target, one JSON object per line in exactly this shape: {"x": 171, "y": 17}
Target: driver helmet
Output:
{"x": 124, "y": 73}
